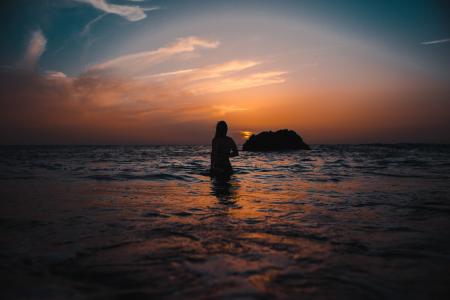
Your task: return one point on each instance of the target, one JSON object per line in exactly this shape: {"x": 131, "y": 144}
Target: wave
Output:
{"x": 425, "y": 176}
{"x": 326, "y": 163}
{"x": 151, "y": 177}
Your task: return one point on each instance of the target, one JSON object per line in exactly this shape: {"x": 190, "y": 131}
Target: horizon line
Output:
{"x": 161, "y": 145}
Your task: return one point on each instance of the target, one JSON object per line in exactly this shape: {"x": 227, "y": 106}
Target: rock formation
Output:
{"x": 275, "y": 141}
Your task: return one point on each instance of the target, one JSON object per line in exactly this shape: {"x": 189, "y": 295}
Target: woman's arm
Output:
{"x": 213, "y": 152}
{"x": 234, "y": 150}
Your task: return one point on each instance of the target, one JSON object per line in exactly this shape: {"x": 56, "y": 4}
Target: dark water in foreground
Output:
{"x": 337, "y": 222}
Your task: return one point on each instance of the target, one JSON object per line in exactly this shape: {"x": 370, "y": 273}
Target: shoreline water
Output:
{"x": 331, "y": 223}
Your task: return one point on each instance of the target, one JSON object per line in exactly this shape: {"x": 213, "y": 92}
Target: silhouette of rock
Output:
{"x": 274, "y": 141}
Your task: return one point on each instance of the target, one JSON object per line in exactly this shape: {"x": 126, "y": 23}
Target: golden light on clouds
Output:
{"x": 329, "y": 87}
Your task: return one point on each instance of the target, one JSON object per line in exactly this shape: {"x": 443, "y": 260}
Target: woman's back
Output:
{"x": 223, "y": 147}
{"x": 221, "y": 150}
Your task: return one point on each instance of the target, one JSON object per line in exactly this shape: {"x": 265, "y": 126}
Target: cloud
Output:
{"x": 208, "y": 72}
{"x": 95, "y": 107}
{"x": 441, "y": 41}
{"x": 238, "y": 82}
{"x": 131, "y": 13}
{"x": 55, "y": 75}
{"x": 53, "y": 108}
{"x": 218, "y": 78}
{"x": 222, "y": 110}
{"x": 140, "y": 62}
{"x": 36, "y": 47}
{"x": 88, "y": 26}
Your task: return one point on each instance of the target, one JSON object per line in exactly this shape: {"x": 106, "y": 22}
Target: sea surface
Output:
{"x": 146, "y": 222}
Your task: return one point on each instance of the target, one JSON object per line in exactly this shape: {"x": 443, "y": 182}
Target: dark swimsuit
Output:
{"x": 220, "y": 156}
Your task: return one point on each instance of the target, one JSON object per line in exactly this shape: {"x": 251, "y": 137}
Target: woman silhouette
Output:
{"x": 223, "y": 147}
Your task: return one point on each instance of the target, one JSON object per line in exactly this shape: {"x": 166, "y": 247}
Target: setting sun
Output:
{"x": 246, "y": 134}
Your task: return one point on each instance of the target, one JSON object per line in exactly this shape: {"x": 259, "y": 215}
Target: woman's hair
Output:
{"x": 221, "y": 129}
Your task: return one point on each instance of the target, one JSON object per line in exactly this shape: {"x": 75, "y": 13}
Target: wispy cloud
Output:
{"x": 36, "y": 46}
{"x": 138, "y": 70}
{"x": 55, "y": 75}
{"x": 130, "y": 12}
{"x": 239, "y": 82}
{"x": 222, "y": 110}
{"x": 208, "y": 72}
{"x": 136, "y": 63}
{"x": 87, "y": 28}
{"x": 225, "y": 68}
{"x": 218, "y": 78}
{"x": 436, "y": 41}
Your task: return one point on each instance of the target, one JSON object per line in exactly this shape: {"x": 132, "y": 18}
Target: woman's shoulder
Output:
{"x": 218, "y": 139}
{"x": 222, "y": 139}
{"x": 230, "y": 140}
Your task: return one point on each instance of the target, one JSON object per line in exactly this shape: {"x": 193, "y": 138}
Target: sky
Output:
{"x": 164, "y": 72}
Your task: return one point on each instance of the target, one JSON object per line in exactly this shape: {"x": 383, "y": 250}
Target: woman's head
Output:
{"x": 221, "y": 129}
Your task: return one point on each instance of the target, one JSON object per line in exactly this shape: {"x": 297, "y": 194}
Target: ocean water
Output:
{"x": 140, "y": 222}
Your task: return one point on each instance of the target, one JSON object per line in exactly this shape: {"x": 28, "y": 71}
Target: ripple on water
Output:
{"x": 110, "y": 222}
